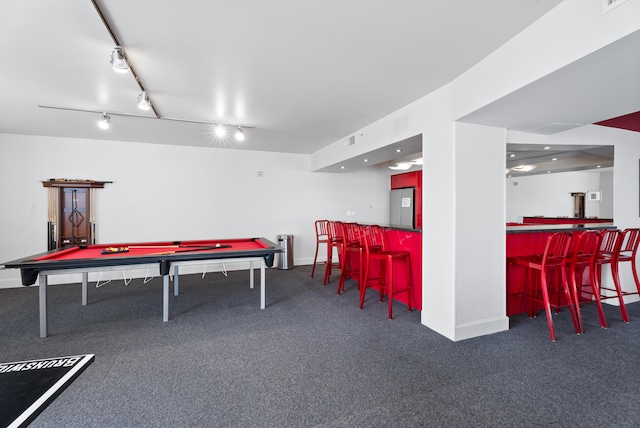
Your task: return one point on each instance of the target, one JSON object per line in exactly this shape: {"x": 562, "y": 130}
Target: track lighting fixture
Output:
{"x": 239, "y": 134}
{"x": 104, "y": 121}
{"x": 220, "y": 129}
{"x": 120, "y": 63}
{"x": 144, "y": 103}
{"x": 119, "y": 60}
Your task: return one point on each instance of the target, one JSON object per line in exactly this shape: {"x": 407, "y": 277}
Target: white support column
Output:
{"x": 464, "y": 285}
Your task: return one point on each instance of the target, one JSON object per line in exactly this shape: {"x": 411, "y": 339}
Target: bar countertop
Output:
{"x": 528, "y": 228}
{"x": 403, "y": 228}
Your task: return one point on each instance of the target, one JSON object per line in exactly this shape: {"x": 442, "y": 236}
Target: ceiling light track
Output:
{"x": 110, "y": 113}
{"x": 118, "y": 45}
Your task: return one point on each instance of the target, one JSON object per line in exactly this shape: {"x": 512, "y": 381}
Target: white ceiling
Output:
{"x": 303, "y": 74}
{"x": 600, "y": 86}
{"x": 558, "y": 158}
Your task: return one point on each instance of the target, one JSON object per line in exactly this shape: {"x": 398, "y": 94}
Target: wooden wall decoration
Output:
{"x": 71, "y": 212}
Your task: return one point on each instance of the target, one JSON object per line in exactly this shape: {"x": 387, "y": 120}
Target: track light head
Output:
{"x": 144, "y": 103}
{"x": 104, "y": 121}
{"x": 119, "y": 61}
{"x": 220, "y": 131}
{"x": 239, "y": 134}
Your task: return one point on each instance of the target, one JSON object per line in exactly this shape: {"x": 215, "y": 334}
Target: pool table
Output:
{"x": 163, "y": 255}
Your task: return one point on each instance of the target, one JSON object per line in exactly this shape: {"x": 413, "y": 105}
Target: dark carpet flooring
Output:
{"x": 312, "y": 358}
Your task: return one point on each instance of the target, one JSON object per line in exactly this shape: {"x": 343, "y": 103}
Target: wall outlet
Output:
{"x": 259, "y": 174}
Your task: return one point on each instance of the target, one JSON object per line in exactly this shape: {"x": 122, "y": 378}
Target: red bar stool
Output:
{"x": 628, "y": 252}
{"x": 353, "y": 255}
{"x": 322, "y": 237}
{"x": 584, "y": 257}
{"x": 552, "y": 261}
{"x": 618, "y": 247}
{"x": 336, "y": 240}
{"x": 375, "y": 250}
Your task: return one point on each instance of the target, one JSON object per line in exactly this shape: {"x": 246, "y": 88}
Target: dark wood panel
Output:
{"x": 74, "y": 220}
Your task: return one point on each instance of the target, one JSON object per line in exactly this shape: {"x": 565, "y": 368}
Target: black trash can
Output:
{"x": 286, "y": 257}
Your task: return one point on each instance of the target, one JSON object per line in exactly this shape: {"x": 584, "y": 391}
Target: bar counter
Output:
{"x": 402, "y": 238}
{"x": 529, "y": 239}
{"x": 530, "y": 228}
{"x": 565, "y": 220}
{"x": 405, "y": 239}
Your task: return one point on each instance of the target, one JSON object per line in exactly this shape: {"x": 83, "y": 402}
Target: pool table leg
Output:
{"x": 165, "y": 298}
{"x": 262, "y": 281}
{"x": 44, "y": 320}
{"x": 251, "y": 276}
{"x": 85, "y": 282}
{"x": 176, "y": 275}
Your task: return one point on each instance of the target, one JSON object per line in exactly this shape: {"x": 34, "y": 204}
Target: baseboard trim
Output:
{"x": 467, "y": 330}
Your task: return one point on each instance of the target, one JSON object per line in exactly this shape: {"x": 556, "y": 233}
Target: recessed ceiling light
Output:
{"x": 554, "y": 159}
{"x": 402, "y": 166}
{"x": 342, "y": 167}
{"x": 366, "y": 160}
{"x": 523, "y": 168}
{"x": 398, "y": 150}
{"x": 547, "y": 148}
{"x": 512, "y": 155}
{"x": 599, "y": 166}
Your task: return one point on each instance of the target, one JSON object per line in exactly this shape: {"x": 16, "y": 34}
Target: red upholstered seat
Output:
{"x": 552, "y": 264}
{"x": 322, "y": 237}
{"x": 378, "y": 267}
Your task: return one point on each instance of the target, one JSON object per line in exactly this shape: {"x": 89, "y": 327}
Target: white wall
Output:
{"x": 625, "y": 180}
{"x": 162, "y": 192}
{"x": 549, "y": 195}
{"x": 606, "y": 201}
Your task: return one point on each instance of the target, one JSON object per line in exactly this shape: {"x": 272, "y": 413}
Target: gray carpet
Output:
{"x": 312, "y": 358}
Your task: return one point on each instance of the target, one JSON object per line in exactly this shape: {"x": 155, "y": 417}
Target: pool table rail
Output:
{"x": 31, "y": 266}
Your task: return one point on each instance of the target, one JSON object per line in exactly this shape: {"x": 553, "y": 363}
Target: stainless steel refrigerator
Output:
{"x": 403, "y": 207}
